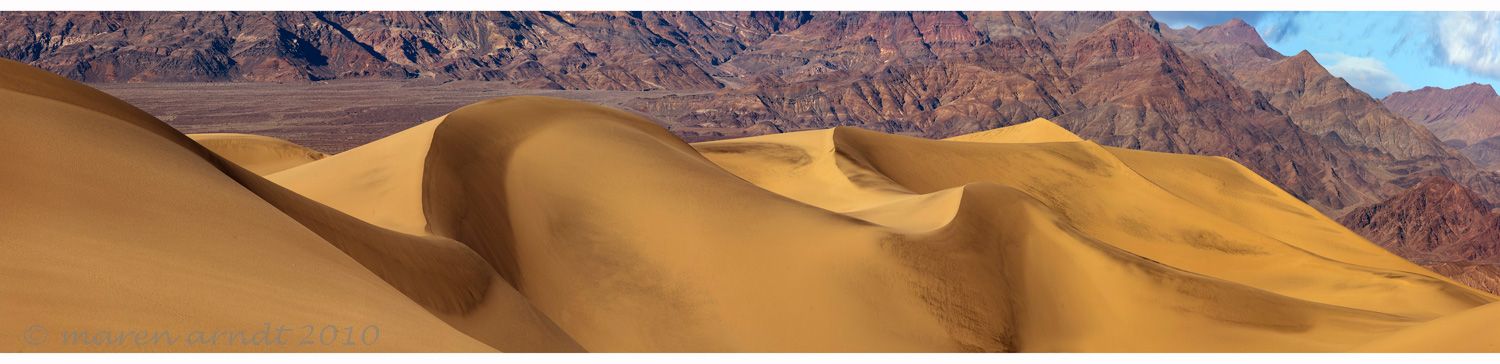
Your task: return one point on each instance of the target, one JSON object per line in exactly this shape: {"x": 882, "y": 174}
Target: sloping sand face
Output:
{"x": 1470, "y": 331}
{"x": 110, "y": 225}
{"x": 260, "y": 154}
{"x": 116, "y": 225}
{"x": 539, "y": 224}
{"x": 380, "y": 182}
{"x": 1158, "y": 245}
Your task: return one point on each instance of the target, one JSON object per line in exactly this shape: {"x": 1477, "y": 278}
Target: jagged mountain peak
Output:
{"x": 1476, "y": 87}
{"x": 1234, "y": 31}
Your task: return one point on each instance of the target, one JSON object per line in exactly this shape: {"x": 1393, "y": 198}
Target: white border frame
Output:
{"x": 647, "y": 5}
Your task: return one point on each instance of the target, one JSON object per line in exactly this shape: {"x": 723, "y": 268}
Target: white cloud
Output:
{"x": 1471, "y": 40}
{"x": 1367, "y": 74}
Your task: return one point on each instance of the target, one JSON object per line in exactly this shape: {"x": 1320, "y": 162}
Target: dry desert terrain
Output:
{"x": 526, "y": 224}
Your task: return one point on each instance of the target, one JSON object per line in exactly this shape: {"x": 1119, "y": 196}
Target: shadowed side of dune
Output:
{"x": 115, "y": 222}
{"x": 631, "y": 241}
{"x": 279, "y": 226}
{"x": 441, "y": 274}
{"x": 1008, "y": 268}
{"x": 541, "y": 224}
{"x": 1103, "y": 197}
{"x": 1060, "y": 246}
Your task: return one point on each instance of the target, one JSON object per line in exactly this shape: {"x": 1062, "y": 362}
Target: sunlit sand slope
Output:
{"x": 1195, "y": 230}
{"x": 380, "y": 182}
{"x": 114, "y": 223}
{"x": 540, "y": 224}
{"x": 260, "y": 154}
{"x": 1471, "y": 331}
{"x": 1035, "y": 131}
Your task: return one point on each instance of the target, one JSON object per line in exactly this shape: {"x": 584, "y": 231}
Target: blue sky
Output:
{"x": 1378, "y": 52}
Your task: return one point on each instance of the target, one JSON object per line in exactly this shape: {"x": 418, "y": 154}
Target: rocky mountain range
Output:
{"x": 1466, "y": 117}
{"x": 1118, "y": 78}
{"x": 1396, "y": 149}
{"x": 1435, "y": 221}
{"x": 1438, "y": 224}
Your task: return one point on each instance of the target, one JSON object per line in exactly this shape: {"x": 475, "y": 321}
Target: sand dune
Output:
{"x": 380, "y": 182}
{"x": 113, "y": 221}
{"x": 1470, "y": 331}
{"x": 539, "y": 224}
{"x": 260, "y": 154}
{"x": 116, "y": 222}
{"x": 1035, "y": 131}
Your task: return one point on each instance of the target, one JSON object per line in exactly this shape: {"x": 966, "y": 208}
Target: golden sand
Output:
{"x": 260, "y": 154}
{"x": 540, "y": 224}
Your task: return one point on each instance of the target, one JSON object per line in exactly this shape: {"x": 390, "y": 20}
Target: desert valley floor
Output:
{"x": 530, "y": 223}
{"x": 334, "y": 116}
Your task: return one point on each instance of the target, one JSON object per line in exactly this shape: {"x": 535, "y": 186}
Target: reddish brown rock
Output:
{"x": 1478, "y": 275}
{"x": 1466, "y": 117}
{"x": 1435, "y": 221}
{"x": 1440, "y": 225}
{"x": 1147, "y": 94}
{"x": 1119, "y": 78}
{"x": 1396, "y": 150}
{"x": 1115, "y": 77}
{"x": 1233, "y": 45}
{"x": 1328, "y": 105}
{"x": 614, "y": 51}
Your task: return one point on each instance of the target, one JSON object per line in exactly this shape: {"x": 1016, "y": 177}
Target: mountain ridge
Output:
{"x": 1467, "y": 117}
{"x": 1121, "y": 79}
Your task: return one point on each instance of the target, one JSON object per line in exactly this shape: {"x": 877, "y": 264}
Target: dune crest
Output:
{"x": 260, "y": 154}
{"x": 380, "y": 182}
{"x": 118, "y": 222}
{"x": 1038, "y": 130}
{"x": 542, "y": 224}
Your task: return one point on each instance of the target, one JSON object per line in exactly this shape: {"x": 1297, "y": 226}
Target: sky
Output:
{"x": 1377, "y": 52}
